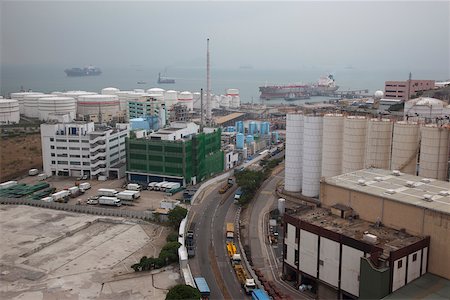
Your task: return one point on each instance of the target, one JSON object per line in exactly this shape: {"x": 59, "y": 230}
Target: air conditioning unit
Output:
{"x": 426, "y": 180}
{"x": 362, "y": 182}
{"x": 370, "y": 238}
{"x": 428, "y": 197}
{"x": 410, "y": 184}
{"x": 390, "y": 191}
{"x": 444, "y": 193}
{"x": 396, "y": 173}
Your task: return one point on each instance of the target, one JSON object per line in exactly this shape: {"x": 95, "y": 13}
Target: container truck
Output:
{"x": 74, "y": 191}
{"x": 7, "y": 184}
{"x": 133, "y": 187}
{"x": 136, "y": 194}
{"x": 33, "y": 172}
{"x": 258, "y": 294}
{"x": 61, "y": 196}
{"x": 128, "y": 195}
{"x": 105, "y": 200}
{"x": 107, "y": 192}
{"x": 237, "y": 195}
{"x": 202, "y": 286}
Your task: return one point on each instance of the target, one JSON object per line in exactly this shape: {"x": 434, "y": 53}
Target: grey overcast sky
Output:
{"x": 263, "y": 34}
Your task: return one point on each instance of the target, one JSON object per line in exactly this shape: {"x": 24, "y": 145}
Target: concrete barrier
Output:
{"x": 143, "y": 215}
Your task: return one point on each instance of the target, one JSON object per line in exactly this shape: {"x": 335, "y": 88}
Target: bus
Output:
{"x": 202, "y": 286}
{"x": 258, "y": 294}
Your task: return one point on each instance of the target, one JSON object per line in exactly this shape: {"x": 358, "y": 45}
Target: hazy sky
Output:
{"x": 263, "y": 34}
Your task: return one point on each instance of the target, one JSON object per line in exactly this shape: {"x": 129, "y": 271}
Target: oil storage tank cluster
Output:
{"x": 240, "y": 141}
{"x": 187, "y": 99}
{"x": 53, "y": 107}
{"x": 9, "y": 111}
{"x": 170, "y": 98}
{"x": 240, "y": 126}
{"x": 265, "y": 128}
{"x": 424, "y": 108}
{"x": 19, "y": 96}
{"x": 294, "y": 153}
{"x": 98, "y": 107}
{"x": 31, "y": 104}
{"x": 109, "y": 91}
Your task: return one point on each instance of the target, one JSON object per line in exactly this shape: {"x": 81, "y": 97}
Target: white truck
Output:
{"x": 109, "y": 201}
{"x": 151, "y": 186}
{"x": 8, "y": 184}
{"x": 159, "y": 185}
{"x": 133, "y": 187}
{"x": 33, "y": 172}
{"x": 42, "y": 176}
{"x": 128, "y": 195}
{"x": 84, "y": 186}
{"x": 107, "y": 192}
{"x": 60, "y": 196}
{"x": 74, "y": 191}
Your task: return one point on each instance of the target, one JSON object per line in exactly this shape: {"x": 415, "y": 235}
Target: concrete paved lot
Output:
{"x": 49, "y": 254}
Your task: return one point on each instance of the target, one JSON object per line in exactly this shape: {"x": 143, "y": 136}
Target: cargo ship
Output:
{"x": 86, "y": 71}
{"x": 162, "y": 79}
{"x": 326, "y": 86}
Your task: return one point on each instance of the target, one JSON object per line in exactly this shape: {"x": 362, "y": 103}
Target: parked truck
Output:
{"x": 133, "y": 187}
{"x": 105, "y": 200}
{"x": 128, "y": 195}
{"x": 237, "y": 195}
{"x": 107, "y": 192}
{"x": 84, "y": 186}
{"x": 62, "y": 196}
{"x": 226, "y": 186}
{"x": 74, "y": 191}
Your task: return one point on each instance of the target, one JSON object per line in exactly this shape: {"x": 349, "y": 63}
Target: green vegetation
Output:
{"x": 176, "y": 215}
{"x": 168, "y": 255}
{"x": 172, "y": 237}
{"x": 250, "y": 181}
{"x": 183, "y": 291}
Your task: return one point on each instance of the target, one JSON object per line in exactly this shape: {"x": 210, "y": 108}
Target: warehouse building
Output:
{"x": 81, "y": 148}
{"x": 333, "y": 254}
{"x": 179, "y": 153}
{"x": 413, "y": 204}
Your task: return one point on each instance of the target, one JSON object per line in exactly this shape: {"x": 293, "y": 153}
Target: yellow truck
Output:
{"x": 231, "y": 249}
{"x": 230, "y": 231}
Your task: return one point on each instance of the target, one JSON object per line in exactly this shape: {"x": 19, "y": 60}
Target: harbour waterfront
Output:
{"x": 248, "y": 81}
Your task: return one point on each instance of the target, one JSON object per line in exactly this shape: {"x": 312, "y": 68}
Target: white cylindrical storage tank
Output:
{"x": 281, "y": 206}
{"x": 312, "y": 155}
{"x": 333, "y": 131}
{"x": 31, "y": 104}
{"x": 98, "y": 107}
{"x": 159, "y": 97}
{"x": 235, "y": 100}
{"x": 123, "y": 99}
{"x": 170, "y": 98}
{"x": 424, "y": 107}
{"x": 76, "y": 94}
{"x": 110, "y": 91}
{"x": 225, "y": 101}
{"x": 139, "y": 90}
{"x": 434, "y": 152}
{"x": 378, "y": 144}
{"x": 405, "y": 147}
{"x": 51, "y": 107}
{"x": 354, "y": 144}
{"x": 294, "y": 152}
{"x": 19, "y": 97}
{"x": 156, "y": 91}
{"x": 57, "y": 93}
{"x": 187, "y": 99}
{"x": 9, "y": 111}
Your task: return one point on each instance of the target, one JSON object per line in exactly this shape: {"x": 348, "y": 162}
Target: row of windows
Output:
{"x": 73, "y": 163}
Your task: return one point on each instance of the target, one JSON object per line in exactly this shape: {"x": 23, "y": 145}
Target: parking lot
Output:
{"x": 149, "y": 200}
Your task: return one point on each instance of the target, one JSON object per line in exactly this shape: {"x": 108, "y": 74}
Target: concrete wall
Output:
{"x": 329, "y": 253}
{"x": 291, "y": 246}
{"x": 308, "y": 252}
{"x": 399, "y": 273}
{"x": 350, "y": 268}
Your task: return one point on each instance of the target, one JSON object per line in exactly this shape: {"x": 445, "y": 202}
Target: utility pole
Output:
{"x": 201, "y": 110}
{"x": 208, "y": 85}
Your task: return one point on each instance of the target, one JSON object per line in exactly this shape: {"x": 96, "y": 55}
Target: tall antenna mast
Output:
{"x": 202, "y": 112}
{"x": 208, "y": 85}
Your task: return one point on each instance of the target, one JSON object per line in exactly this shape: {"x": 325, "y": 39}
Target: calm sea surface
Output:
{"x": 48, "y": 79}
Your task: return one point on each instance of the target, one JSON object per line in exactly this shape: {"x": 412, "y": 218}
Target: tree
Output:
{"x": 169, "y": 253}
{"x": 183, "y": 291}
{"x": 172, "y": 237}
{"x": 176, "y": 215}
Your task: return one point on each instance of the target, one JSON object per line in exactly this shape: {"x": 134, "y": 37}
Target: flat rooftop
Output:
{"x": 405, "y": 188}
{"x": 389, "y": 239}
{"x": 223, "y": 119}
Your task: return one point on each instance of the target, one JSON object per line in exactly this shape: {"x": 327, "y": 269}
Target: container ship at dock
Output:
{"x": 324, "y": 87}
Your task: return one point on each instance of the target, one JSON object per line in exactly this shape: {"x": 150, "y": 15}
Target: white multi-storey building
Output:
{"x": 82, "y": 148}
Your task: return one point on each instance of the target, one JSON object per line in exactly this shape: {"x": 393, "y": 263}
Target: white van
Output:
{"x": 151, "y": 185}
{"x": 159, "y": 185}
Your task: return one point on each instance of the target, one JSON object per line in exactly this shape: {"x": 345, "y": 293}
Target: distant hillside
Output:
{"x": 442, "y": 94}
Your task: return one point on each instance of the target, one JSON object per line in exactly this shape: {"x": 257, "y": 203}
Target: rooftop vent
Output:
{"x": 428, "y": 197}
{"x": 410, "y": 184}
{"x": 390, "y": 191}
{"x": 378, "y": 178}
{"x": 444, "y": 193}
{"x": 370, "y": 238}
{"x": 396, "y": 173}
{"x": 426, "y": 180}
{"x": 362, "y": 182}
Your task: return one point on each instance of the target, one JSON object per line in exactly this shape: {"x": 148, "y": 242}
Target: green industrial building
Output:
{"x": 191, "y": 159}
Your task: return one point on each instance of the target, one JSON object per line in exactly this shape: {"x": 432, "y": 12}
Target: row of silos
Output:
{"x": 348, "y": 144}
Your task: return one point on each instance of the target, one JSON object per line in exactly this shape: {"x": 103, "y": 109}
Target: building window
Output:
{"x": 85, "y": 141}
{"x": 399, "y": 264}
{"x": 75, "y": 163}
{"x": 59, "y": 140}
{"x": 62, "y": 155}
{"x": 52, "y": 139}
{"x": 85, "y": 149}
{"x": 74, "y": 148}
{"x": 73, "y": 141}
{"x": 61, "y": 148}
{"x": 320, "y": 262}
{"x": 53, "y": 162}
{"x": 52, "y": 154}
{"x": 414, "y": 256}
{"x": 77, "y": 156}
{"x": 62, "y": 162}
{"x": 86, "y": 163}
{"x": 52, "y": 147}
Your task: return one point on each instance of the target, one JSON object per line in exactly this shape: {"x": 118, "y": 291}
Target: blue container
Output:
{"x": 231, "y": 129}
{"x": 265, "y": 128}
{"x": 250, "y": 139}
{"x": 275, "y": 137}
{"x": 240, "y": 141}
{"x": 240, "y": 126}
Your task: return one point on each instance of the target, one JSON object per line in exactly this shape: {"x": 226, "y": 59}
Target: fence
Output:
{"x": 143, "y": 215}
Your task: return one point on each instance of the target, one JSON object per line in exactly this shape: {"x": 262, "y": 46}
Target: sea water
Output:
{"x": 52, "y": 78}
